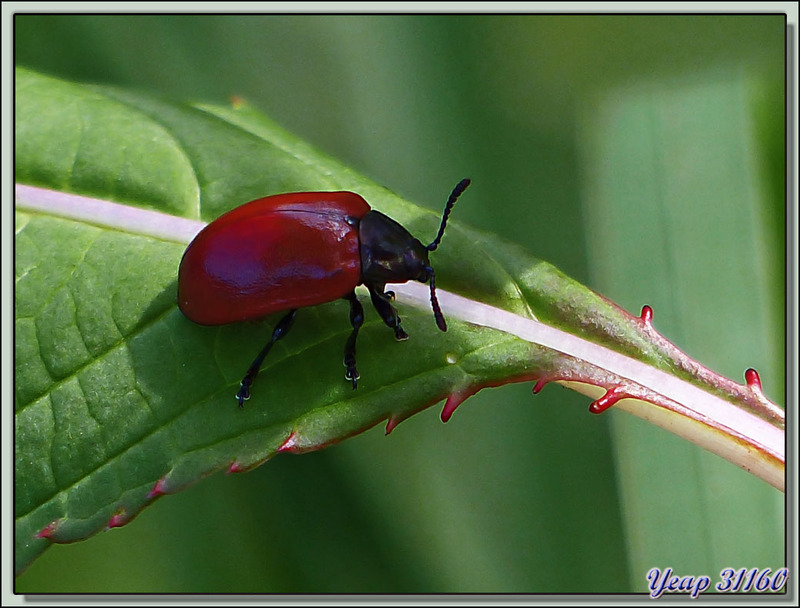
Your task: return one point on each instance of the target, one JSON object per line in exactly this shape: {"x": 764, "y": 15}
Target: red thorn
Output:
{"x": 606, "y": 401}
{"x": 753, "y": 380}
{"x": 237, "y": 102}
{"x": 391, "y": 423}
{"x": 120, "y": 518}
{"x": 48, "y": 530}
{"x": 158, "y": 489}
{"x": 290, "y": 445}
{"x": 456, "y": 399}
{"x": 450, "y": 406}
{"x": 540, "y": 384}
{"x": 647, "y": 315}
{"x": 235, "y": 468}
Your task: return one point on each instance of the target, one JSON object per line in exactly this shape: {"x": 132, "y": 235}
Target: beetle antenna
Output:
{"x": 460, "y": 187}
{"x": 437, "y": 311}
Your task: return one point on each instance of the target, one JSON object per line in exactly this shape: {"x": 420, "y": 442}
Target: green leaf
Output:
{"x": 120, "y": 399}
{"x": 116, "y": 390}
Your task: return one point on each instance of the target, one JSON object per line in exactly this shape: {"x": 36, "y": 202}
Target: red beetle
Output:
{"x": 287, "y": 251}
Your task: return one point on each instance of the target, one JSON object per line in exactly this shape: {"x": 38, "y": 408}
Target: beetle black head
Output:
{"x": 389, "y": 254}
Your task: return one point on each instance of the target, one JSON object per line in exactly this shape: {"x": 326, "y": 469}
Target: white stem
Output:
{"x": 106, "y": 214}
{"x": 699, "y": 407}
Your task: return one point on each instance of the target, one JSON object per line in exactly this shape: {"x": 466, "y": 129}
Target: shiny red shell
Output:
{"x": 272, "y": 254}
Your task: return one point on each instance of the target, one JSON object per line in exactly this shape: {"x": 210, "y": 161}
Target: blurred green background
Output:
{"x": 643, "y": 155}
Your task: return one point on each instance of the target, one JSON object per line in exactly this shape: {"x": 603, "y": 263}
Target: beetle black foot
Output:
{"x": 356, "y": 320}
{"x": 283, "y": 326}
{"x": 399, "y": 334}
{"x": 353, "y": 375}
{"x": 244, "y": 392}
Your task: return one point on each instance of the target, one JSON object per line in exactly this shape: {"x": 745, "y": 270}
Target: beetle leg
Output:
{"x": 279, "y": 332}
{"x": 388, "y": 313}
{"x": 356, "y": 320}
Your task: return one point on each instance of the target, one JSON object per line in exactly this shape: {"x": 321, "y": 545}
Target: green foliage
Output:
{"x": 115, "y": 388}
